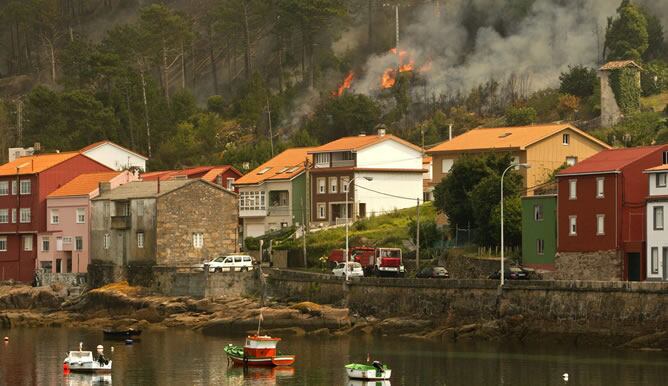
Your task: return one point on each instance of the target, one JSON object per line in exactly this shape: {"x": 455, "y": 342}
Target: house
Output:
{"x": 383, "y": 173}
{"x": 25, "y": 184}
{"x": 224, "y": 175}
{"x": 114, "y": 156}
{"x": 274, "y": 195}
{"x": 601, "y": 214}
{"x": 539, "y": 231}
{"x": 65, "y": 245}
{"x": 168, "y": 223}
{"x": 611, "y": 111}
{"x": 427, "y": 179}
{"x": 544, "y": 147}
{"x": 657, "y": 232}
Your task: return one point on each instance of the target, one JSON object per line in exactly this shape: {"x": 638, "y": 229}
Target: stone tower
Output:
{"x": 611, "y": 112}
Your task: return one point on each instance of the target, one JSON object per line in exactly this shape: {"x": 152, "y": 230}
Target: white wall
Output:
{"x": 115, "y": 157}
{"x": 257, "y": 223}
{"x": 389, "y": 155}
{"x": 653, "y": 190}
{"x": 656, "y": 238}
{"x": 399, "y": 184}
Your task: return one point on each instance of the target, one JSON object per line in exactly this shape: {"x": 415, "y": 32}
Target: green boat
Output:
{"x": 373, "y": 372}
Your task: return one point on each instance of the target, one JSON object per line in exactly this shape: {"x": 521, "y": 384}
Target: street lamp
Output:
{"x": 348, "y": 219}
{"x": 523, "y": 165}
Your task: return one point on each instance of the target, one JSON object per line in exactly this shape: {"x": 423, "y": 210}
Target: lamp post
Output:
{"x": 348, "y": 219}
{"x": 512, "y": 165}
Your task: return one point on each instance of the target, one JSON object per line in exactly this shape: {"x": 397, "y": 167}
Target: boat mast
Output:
{"x": 259, "y": 323}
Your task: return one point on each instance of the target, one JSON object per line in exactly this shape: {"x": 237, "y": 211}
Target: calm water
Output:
{"x": 34, "y": 357}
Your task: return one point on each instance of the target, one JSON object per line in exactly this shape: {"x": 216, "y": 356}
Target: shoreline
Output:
{"x": 121, "y": 306}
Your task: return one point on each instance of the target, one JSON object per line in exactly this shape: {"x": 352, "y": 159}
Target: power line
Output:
{"x": 388, "y": 194}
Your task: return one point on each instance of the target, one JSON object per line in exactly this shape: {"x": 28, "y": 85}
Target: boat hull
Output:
{"x": 89, "y": 368}
{"x": 280, "y": 360}
{"x": 369, "y": 375}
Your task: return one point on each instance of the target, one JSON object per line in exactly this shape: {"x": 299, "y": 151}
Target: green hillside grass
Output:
{"x": 655, "y": 102}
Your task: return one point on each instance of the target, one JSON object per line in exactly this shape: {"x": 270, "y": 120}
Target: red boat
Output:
{"x": 258, "y": 351}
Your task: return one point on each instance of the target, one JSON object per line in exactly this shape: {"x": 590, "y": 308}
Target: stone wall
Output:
{"x": 195, "y": 208}
{"x": 169, "y": 281}
{"x": 610, "y": 112}
{"x": 70, "y": 279}
{"x": 600, "y": 265}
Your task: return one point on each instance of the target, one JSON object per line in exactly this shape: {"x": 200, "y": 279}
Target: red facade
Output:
{"x": 18, "y": 261}
{"x": 622, "y": 205}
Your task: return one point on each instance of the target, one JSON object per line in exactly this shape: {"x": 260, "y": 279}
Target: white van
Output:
{"x": 231, "y": 263}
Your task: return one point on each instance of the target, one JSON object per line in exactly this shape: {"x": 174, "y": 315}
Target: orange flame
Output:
{"x": 405, "y": 64}
{"x": 347, "y": 82}
{"x": 389, "y": 78}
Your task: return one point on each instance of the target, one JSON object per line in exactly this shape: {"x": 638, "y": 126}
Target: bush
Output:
{"x": 579, "y": 81}
{"x": 520, "y": 116}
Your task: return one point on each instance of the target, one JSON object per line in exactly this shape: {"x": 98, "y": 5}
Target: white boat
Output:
{"x": 84, "y": 362}
{"x": 374, "y": 372}
{"x": 357, "y": 382}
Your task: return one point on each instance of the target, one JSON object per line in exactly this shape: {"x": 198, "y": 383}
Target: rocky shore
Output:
{"x": 121, "y": 306}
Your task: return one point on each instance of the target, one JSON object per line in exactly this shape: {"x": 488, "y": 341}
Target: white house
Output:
{"x": 657, "y": 231}
{"x": 382, "y": 173}
{"x": 114, "y": 156}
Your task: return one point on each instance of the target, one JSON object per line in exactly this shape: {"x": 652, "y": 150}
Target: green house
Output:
{"x": 539, "y": 230}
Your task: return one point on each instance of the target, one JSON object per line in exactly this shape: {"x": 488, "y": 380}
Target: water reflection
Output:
{"x": 237, "y": 375}
{"x": 352, "y": 382}
{"x": 87, "y": 380}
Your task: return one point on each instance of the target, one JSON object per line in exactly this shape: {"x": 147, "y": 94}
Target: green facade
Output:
{"x": 299, "y": 201}
{"x": 534, "y": 229}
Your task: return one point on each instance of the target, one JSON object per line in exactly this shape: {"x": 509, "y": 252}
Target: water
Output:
{"x": 179, "y": 357}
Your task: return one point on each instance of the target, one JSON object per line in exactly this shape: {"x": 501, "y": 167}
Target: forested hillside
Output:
{"x": 232, "y": 81}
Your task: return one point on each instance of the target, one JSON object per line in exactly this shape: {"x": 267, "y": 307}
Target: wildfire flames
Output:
{"x": 347, "y": 81}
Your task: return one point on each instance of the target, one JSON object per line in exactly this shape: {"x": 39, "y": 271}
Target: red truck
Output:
{"x": 375, "y": 261}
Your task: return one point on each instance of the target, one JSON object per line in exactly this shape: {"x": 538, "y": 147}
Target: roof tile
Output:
{"x": 83, "y": 184}
{"x": 612, "y": 160}
{"x": 284, "y": 166}
{"x": 35, "y": 163}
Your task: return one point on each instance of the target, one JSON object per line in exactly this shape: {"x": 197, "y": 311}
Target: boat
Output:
{"x": 259, "y": 350}
{"x": 357, "y": 382}
{"x": 376, "y": 371}
{"x": 84, "y": 362}
{"x": 129, "y": 333}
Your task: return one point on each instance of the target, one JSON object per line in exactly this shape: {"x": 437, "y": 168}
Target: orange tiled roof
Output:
{"x": 35, "y": 163}
{"x": 215, "y": 172}
{"x": 359, "y": 142}
{"x": 516, "y": 137}
{"x": 659, "y": 168}
{"x": 284, "y": 166}
{"x": 617, "y": 64}
{"x": 208, "y": 173}
{"x": 83, "y": 184}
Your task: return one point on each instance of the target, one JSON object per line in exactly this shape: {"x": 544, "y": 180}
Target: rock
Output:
{"x": 403, "y": 325}
{"x": 287, "y": 331}
{"x": 465, "y": 329}
{"x": 321, "y": 332}
{"x": 149, "y": 314}
{"x": 308, "y": 308}
{"x": 658, "y": 340}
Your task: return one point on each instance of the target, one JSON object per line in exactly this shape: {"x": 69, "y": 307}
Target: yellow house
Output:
{"x": 544, "y": 147}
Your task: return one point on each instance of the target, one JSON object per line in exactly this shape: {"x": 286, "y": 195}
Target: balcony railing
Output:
{"x": 252, "y": 212}
{"x": 120, "y": 222}
{"x": 343, "y": 163}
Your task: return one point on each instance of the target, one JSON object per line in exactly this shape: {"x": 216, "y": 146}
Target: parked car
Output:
{"x": 433, "y": 273}
{"x": 511, "y": 273}
{"x": 230, "y": 263}
{"x": 354, "y": 269}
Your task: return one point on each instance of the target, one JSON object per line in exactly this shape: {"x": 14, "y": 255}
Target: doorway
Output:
{"x": 665, "y": 263}
{"x": 633, "y": 264}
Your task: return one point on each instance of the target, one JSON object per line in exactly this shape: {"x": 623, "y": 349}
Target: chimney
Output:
{"x": 450, "y": 132}
{"x": 219, "y": 180}
{"x": 381, "y": 132}
{"x": 37, "y": 146}
{"x": 362, "y": 134}
{"x": 104, "y": 187}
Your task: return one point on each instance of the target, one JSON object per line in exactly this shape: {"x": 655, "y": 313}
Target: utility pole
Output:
{"x": 417, "y": 248}
{"x": 307, "y": 206}
{"x": 396, "y": 23}
{"x": 19, "y": 123}
{"x": 304, "y": 232}
{"x": 271, "y": 133}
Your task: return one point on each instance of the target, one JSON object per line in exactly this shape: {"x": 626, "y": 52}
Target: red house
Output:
{"x": 224, "y": 175}
{"x": 24, "y": 185}
{"x": 601, "y": 214}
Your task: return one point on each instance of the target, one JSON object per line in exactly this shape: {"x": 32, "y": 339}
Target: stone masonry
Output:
{"x": 195, "y": 208}
{"x": 600, "y": 265}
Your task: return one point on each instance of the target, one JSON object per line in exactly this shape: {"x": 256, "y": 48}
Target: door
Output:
{"x": 665, "y": 263}
{"x": 633, "y": 264}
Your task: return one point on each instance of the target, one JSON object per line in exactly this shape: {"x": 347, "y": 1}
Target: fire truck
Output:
{"x": 375, "y": 261}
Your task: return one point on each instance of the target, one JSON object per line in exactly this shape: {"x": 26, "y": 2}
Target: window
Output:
{"x": 661, "y": 180}
{"x": 106, "y": 208}
{"x": 600, "y": 186}
{"x": 572, "y": 225}
{"x": 655, "y": 260}
{"x": 321, "y": 211}
{"x": 67, "y": 240}
{"x": 3, "y": 243}
{"x": 446, "y": 164}
{"x": 570, "y": 161}
{"x": 665, "y": 157}
{"x": 261, "y": 172}
{"x": 322, "y": 186}
{"x": 4, "y": 216}
{"x": 322, "y": 160}
{"x": 540, "y": 247}
{"x": 25, "y": 187}
{"x": 14, "y": 216}
{"x": 4, "y": 188}
{"x": 78, "y": 243}
{"x": 333, "y": 184}
{"x": 140, "y": 239}
{"x": 122, "y": 208}
{"x": 107, "y": 240}
{"x": 81, "y": 215}
{"x": 253, "y": 200}
{"x": 25, "y": 215}
{"x": 278, "y": 198}
{"x": 230, "y": 183}
{"x": 15, "y": 188}
{"x": 344, "y": 184}
{"x": 538, "y": 212}
{"x": 600, "y": 224}
{"x": 54, "y": 216}
{"x": 46, "y": 265}
{"x": 198, "y": 240}
{"x": 27, "y": 242}
{"x": 566, "y": 139}
{"x": 46, "y": 243}
{"x": 658, "y": 218}
{"x": 572, "y": 189}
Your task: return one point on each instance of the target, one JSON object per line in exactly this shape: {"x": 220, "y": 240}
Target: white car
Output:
{"x": 354, "y": 269}
{"x": 231, "y": 263}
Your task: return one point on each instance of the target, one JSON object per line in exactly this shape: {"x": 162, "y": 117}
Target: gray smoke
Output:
{"x": 537, "y": 43}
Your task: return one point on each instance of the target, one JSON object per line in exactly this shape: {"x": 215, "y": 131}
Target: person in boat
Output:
{"x": 102, "y": 360}
{"x": 378, "y": 366}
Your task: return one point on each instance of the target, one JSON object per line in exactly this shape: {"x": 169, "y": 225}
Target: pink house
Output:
{"x": 64, "y": 247}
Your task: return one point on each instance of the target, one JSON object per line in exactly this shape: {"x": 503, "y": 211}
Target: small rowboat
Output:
{"x": 258, "y": 351}
{"x": 374, "y": 372}
{"x": 130, "y": 333}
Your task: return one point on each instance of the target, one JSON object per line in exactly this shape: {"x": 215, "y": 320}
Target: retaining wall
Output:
{"x": 171, "y": 282}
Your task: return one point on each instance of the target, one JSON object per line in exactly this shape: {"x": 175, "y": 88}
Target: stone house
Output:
{"x": 611, "y": 111}
{"x": 167, "y": 223}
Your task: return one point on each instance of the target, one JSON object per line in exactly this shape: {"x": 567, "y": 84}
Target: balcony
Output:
{"x": 120, "y": 222}
{"x": 342, "y": 163}
{"x": 252, "y": 212}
